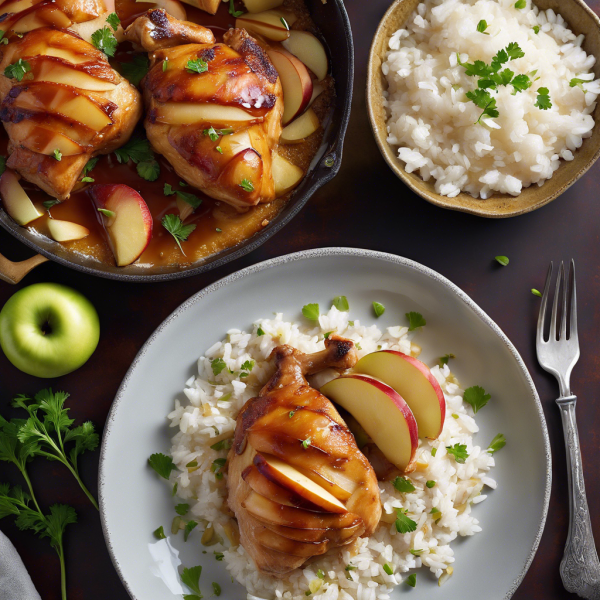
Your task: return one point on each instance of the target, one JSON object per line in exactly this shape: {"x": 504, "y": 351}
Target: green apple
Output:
{"x": 48, "y": 330}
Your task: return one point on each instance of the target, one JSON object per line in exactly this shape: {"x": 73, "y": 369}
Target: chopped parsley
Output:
{"x": 306, "y": 443}
{"x": 503, "y": 260}
{"x": 445, "y": 359}
{"x": 57, "y": 154}
{"x": 138, "y": 150}
{"x": 162, "y": 464}
{"x": 89, "y": 165}
{"x": 291, "y": 413}
{"x": 260, "y": 331}
{"x": 403, "y": 484}
{"x": 182, "y": 509}
{"x": 321, "y": 574}
{"x": 148, "y": 170}
{"x": 3, "y": 40}
{"x": 107, "y": 213}
{"x": 217, "y": 467}
{"x": 165, "y": 64}
{"x": 520, "y": 4}
{"x": 223, "y": 444}
{"x": 576, "y": 82}
{"x": 284, "y": 23}
{"x": 536, "y": 29}
{"x": 430, "y": 484}
{"x": 219, "y": 149}
{"x": 378, "y": 308}
{"x": 536, "y": 292}
{"x": 412, "y": 579}
{"x": 198, "y": 65}
{"x": 497, "y": 443}
{"x": 404, "y": 524}
{"x": 216, "y": 588}
{"x": 246, "y": 185}
{"x": 327, "y": 334}
{"x": 415, "y": 320}
{"x": 482, "y": 26}
{"x": 341, "y": 303}
{"x": 217, "y": 365}
{"x": 388, "y": 569}
{"x": 311, "y": 312}
{"x": 543, "y": 101}
{"x": 477, "y": 397}
{"x": 433, "y": 451}
{"x": 17, "y": 70}
{"x": 159, "y": 533}
{"x": 416, "y": 552}
{"x": 104, "y": 39}
{"x": 459, "y": 451}
{"x": 113, "y": 20}
{"x": 219, "y": 556}
{"x": 87, "y": 180}
{"x": 351, "y": 567}
{"x": 48, "y": 204}
{"x": 233, "y": 12}
{"x": 248, "y": 365}
{"x": 191, "y": 578}
{"x": 135, "y": 70}
{"x": 192, "y": 464}
{"x": 190, "y": 199}
{"x": 179, "y": 231}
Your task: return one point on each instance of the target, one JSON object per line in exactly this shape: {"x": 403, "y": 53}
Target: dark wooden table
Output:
{"x": 364, "y": 207}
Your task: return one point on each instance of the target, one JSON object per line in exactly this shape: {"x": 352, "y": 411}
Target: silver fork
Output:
{"x": 579, "y": 568}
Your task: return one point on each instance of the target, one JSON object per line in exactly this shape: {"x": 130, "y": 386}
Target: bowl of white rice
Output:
{"x": 486, "y": 106}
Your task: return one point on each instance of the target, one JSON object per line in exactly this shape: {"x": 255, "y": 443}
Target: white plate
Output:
{"x": 134, "y": 503}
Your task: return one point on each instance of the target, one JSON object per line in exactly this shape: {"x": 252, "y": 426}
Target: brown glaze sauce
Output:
{"x": 218, "y": 225}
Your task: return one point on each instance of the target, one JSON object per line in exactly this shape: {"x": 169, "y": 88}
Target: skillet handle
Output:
{"x": 13, "y": 272}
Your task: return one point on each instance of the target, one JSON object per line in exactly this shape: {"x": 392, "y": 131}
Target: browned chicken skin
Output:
{"x": 278, "y": 528}
{"x": 70, "y": 100}
{"x": 233, "y": 163}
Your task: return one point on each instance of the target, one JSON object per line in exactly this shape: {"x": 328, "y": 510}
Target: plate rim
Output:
{"x": 311, "y": 254}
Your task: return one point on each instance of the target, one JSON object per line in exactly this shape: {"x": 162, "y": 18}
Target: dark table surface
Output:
{"x": 364, "y": 207}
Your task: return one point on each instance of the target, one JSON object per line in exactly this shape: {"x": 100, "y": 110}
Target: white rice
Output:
{"x": 458, "y": 486}
{"x": 433, "y": 123}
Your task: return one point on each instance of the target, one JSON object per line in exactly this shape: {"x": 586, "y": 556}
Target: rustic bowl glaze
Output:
{"x": 581, "y": 19}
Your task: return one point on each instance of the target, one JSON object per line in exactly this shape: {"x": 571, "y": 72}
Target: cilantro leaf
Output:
{"x": 247, "y": 185}
{"x": 513, "y": 50}
{"x": 520, "y": 83}
{"x": 168, "y": 189}
{"x": 378, "y": 308}
{"x": 190, "y": 526}
{"x": 159, "y": 533}
{"x": 57, "y": 154}
{"x": 411, "y": 580}
{"x": 479, "y": 97}
{"x": 306, "y": 443}
{"x": 341, "y": 303}
{"x": 216, "y": 588}
{"x": 248, "y": 365}
{"x": 223, "y": 444}
{"x": 459, "y": 451}
{"x": 113, "y": 20}
{"x": 148, "y": 170}
{"x": 482, "y": 26}
{"x": 182, "y": 509}
{"x": 477, "y": 397}
{"x": 311, "y": 312}
{"x": 48, "y": 204}
{"x": 191, "y": 578}
{"x": 403, "y": 484}
{"x": 198, "y": 65}
{"x": 135, "y": 70}
{"x": 404, "y": 524}
{"x": 17, "y": 70}
{"x": 217, "y": 467}
{"x": 497, "y": 443}
{"x": 543, "y": 101}
{"x": 415, "y": 320}
{"x": 211, "y": 132}
{"x": 137, "y": 150}
{"x": 217, "y": 365}
{"x": 445, "y": 359}
{"x": 104, "y": 39}
{"x": 162, "y": 464}
{"x": 179, "y": 231}
{"x": 60, "y": 516}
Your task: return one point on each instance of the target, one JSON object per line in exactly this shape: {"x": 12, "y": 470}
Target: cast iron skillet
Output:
{"x": 332, "y": 20}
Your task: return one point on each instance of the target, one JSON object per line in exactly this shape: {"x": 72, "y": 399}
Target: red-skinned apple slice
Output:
{"x": 414, "y": 382}
{"x": 16, "y": 201}
{"x": 267, "y": 23}
{"x": 305, "y": 46}
{"x": 286, "y": 176}
{"x": 66, "y": 231}
{"x": 383, "y": 414}
{"x": 128, "y": 222}
{"x": 295, "y": 80}
{"x": 289, "y": 477}
{"x": 299, "y": 129}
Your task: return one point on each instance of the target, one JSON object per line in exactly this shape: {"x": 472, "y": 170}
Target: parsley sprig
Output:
{"x": 179, "y": 231}
{"x": 48, "y": 432}
{"x": 135, "y": 70}
{"x": 198, "y": 65}
{"x": 17, "y": 70}
{"x": 104, "y": 39}
{"x": 491, "y": 76}
{"x": 138, "y": 150}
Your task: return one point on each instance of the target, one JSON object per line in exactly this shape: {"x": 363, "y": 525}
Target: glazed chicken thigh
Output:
{"x": 63, "y": 105}
{"x": 292, "y": 425}
{"x": 213, "y": 109}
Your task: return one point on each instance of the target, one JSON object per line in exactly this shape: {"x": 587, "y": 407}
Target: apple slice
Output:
{"x": 128, "y": 223}
{"x": 382, "y": 413}
{"x": 172, "y": 7}
{"x": 257, "y": 6}
{"x": 289, "y": 477}
{"x": 209, "y": 6}
{"x": 267, "y": 511}
{"x": 47, "y": 141}
{"x": 286, "y": 176}
{"x": 413, "y": 380}
{"x": 318, "y": 535}
{"x": 16, "y": 201}
{"x": 299, "y": 129}
{"x": 44, "y": 16}
{"x": 56, "y": 71}
{"x": 274, "y": 541}
{"x": 295, "y": 80}
{"x": 308, "y": 48}
{"x": 188, "y": 113}
{"x": 268, "y": 23}
{"x": 318, "y": 89}
{"x": 66, "y": 231}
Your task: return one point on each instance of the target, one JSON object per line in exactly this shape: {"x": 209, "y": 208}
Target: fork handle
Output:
{"x": 579, "y": 568}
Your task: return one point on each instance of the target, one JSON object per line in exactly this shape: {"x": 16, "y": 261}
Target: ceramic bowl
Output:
{"x": 581, "y": 19}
